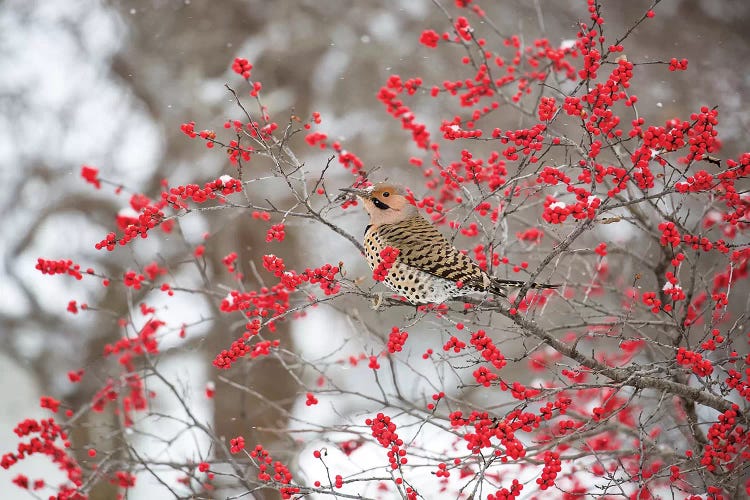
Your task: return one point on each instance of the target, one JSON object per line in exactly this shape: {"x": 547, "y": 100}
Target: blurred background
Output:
{"x": 108, "y": 83}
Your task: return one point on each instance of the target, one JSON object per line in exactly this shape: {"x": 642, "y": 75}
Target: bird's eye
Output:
{"x": 380, "y": 204}
{"x": 386, "y": 194}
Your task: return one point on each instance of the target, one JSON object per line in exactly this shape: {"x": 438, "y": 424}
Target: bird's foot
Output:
{"x": 413, "y": 316}
{"x": 377, "y": 302}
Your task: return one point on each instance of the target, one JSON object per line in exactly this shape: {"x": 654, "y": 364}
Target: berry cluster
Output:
{"x": 699, "y": 181}
{"x": 431, "y": 406}
{"x": 735, "y": 380}
{"x": 552, "y": 465}
{"x": 150, "y": 214}
{"x": 507, "y": 494}
{"x": 388, "y": 96}
{"x": 150, "y": 217}
{"x": 176, "y": 197}
{"x": 276, "y": 232}
{"x": 442, "y": 470}
{"x": 237, "y": 444}
{"x": 242, "y": 67}
{"x": 60, "y": 267}
{"x": 396, "y": 340}
{"x": 46, "y": 433}
{"x": 547, "y": 108}
{"x": 483, "y": 344}
{"x": 384, "y": 431}
{"x": 240, "y": 348}
{"x": 551, "y": 176}
{"x": 123, "y": 479}
{"x": 678, "y": 65}
{"x": 429, "y": 38}
{"x": 455, "y": 344}
{"x": 50, "y": 403}
{"x": 132, "y": 279}
{"x": 699, "y": 366}
{"x": 716, "y": 339}
{"x": 669, "y": 234}
{"x": 236, "y": 152}
{"x": 484, "y": 376}
{"x": 270, "y": 303}
{"x": 387, "y": 258}
{"x": 318, "y": 138}
{"x": 91, "y": 175}
{"x": 229, "y": 261}
{"x": 134, "y": 398}
{"x": 725, "y": 439}
{"x": 649, "y": 298}
{"x": 280, "y": 471}
{"x": 486, "y": 428}
{"x": 325, "y": 277}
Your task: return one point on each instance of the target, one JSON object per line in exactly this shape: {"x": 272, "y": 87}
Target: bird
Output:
{"x": 427, "y": 268}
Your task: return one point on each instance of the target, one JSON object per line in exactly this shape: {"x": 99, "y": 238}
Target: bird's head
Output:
{"x": 386, "y": 203}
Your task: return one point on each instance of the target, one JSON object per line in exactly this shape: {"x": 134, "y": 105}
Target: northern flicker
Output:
{"x": 427, "y": 268}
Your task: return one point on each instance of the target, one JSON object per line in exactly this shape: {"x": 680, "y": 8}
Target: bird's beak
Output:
{"x": 362, "y": 193}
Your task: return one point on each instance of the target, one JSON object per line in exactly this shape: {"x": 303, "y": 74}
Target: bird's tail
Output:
{"x": 498, "y": 285}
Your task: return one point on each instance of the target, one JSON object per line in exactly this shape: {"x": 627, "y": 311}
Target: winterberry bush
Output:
{"x": 631, "y": 380}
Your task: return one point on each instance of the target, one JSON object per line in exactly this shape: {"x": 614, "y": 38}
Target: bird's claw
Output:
{"x": 377, "y": 302}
